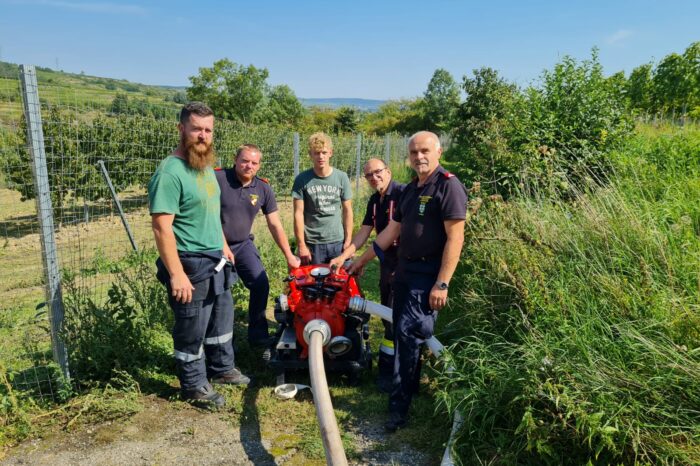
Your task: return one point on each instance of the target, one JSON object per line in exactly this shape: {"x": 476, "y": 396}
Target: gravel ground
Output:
{"x": 167, "y": 434}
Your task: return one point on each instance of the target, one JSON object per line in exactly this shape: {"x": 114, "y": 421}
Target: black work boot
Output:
{"x": 396, "y": 421}
{"x": 232, "y": 377}
{"x": 204, "y": 397}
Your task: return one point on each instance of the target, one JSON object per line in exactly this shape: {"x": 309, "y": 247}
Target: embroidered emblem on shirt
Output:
{"x": 423, "y": 201}
{"x": 253, "y": 199}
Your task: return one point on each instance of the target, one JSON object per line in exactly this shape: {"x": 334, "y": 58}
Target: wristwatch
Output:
{"x": 441, "y": 285}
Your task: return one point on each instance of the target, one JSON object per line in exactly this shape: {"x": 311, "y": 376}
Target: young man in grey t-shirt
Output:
{"x": 322, "y": 206}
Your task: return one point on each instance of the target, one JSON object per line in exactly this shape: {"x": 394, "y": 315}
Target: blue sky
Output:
{"x": 370, "y": 49}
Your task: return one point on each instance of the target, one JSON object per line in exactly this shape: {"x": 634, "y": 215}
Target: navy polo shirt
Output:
{"x": 422, "y": 212}
{"x": 380, "y": 211}
{"x": 240, "y": 204}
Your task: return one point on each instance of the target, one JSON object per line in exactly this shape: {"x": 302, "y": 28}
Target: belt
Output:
{"x": 422, "y": 258}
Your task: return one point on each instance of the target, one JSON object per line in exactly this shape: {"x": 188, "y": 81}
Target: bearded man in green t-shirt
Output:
{"x": 195, "y": 261}
{"x": 322, "y": 200}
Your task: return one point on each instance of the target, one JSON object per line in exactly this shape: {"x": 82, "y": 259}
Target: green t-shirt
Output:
{"x": 193, "y": 197}
{"x": 323, "y": 197}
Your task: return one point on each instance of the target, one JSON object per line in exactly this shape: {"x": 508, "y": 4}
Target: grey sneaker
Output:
{"x": 232, "y": 377}
{"x": 204, "y": 397}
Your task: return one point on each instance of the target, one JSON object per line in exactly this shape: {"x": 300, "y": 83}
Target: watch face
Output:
{"x": 442, "y": 285}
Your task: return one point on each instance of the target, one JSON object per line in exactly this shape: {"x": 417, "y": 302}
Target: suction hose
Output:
{"x": 359, "y": 304}
{"x": 317, "y": 334}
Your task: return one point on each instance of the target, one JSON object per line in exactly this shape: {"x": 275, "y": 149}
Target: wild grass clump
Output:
{"x": 129, "y": 331}
{"x": 577, "y": 333}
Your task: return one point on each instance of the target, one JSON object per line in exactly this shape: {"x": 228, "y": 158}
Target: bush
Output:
{"x": 544, "y": 137}
{"x": 126, "y": 332}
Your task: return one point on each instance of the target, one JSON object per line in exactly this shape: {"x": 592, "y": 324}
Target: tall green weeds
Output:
{"x": 578, "y": 326}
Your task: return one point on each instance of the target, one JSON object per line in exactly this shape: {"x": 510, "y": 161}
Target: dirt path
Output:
{"x": 166, "y": 433}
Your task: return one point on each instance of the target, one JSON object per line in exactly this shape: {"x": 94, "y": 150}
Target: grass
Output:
{"x": 578, "y": 333}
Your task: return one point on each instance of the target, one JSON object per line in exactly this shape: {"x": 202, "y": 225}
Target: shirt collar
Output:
{"x": 439, "y": 171}
{"x": 236, "y": 183}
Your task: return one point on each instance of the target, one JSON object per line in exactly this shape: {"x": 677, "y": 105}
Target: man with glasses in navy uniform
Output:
{"x": 430, "y": 219}
{"x": 380, "y": 209}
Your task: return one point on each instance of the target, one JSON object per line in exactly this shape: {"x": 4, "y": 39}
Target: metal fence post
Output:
{"x": 115, "y": 198}
{"x": 35, "y": 140}
{"x": 296, "y": 154}
{"x": 387, "y": 149}
{"x": 358, "y": 160}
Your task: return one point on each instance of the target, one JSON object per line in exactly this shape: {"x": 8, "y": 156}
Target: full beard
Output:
{"x": 199, "y": 155}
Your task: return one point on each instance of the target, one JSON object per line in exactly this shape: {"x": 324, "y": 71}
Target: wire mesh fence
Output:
{"x": 91, "y": 140}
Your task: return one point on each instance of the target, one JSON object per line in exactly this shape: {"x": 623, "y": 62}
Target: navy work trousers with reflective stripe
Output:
{"x": 251, "y": 271}
{"x": 386, "y": 294}
{"x": 414, "y": 323}
{"x": 202, "y": 334}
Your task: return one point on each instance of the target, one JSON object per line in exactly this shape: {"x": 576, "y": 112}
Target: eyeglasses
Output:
{"x": 372, "y": 174}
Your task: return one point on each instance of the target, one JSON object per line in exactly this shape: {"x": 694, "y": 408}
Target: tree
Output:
{"x": 232, "y": 91}
{"x": 672, "y": 83}
{"x": 639, "y": 88}
{"x": 284, "y": 107}
{"x": 346, "y": 120}
{"x": 440, "y": 101}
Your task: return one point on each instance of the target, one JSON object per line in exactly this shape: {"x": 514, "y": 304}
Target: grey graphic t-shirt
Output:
{"x": 323, "y": 197}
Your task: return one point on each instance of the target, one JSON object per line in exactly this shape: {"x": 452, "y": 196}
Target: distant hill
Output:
{"x": 369, "y": 105}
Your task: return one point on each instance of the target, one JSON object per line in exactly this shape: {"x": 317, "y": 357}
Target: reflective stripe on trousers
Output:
{"x": 220, "y": 340}
{"x": 187, "y": 357}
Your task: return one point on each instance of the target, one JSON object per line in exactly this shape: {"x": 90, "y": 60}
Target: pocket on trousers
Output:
{"x": 185, "y": 310}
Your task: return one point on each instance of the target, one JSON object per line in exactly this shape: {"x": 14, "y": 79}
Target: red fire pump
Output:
{"x": 315, "y": 292}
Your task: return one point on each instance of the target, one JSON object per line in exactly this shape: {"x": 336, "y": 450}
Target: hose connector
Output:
{"x": 317, "y": 325}
{"x": 357, "y": 304}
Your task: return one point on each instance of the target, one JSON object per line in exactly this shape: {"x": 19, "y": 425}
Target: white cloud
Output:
{"x": 619, "y": 36}
{"x": 89, "y": 7}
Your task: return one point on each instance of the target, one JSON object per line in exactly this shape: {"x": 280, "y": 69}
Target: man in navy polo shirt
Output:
{"x": 430, "y": 219}
{"x": 380, "y": 209}
{"x": 243, "y": 195}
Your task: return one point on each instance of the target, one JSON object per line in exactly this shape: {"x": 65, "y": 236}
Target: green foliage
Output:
{"x": 485, "y": 138}
{"x": 239, "y": 93}
{"x": 396, "y": 116}
{"x": 546, "y": 136}
{"x": 347, "y": 120}
{"x": 576, "y": 330}
{"x": 120, "y": 333}
{"x": 440, "y": 101}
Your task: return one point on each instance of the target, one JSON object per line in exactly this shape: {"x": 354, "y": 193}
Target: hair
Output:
{"x": 251, "y": 147}
{"x": 318, "y": 141}
{"x": 426, "y": 133}
{"x": 198, "y": 108}
{"x": 374, "y": 160}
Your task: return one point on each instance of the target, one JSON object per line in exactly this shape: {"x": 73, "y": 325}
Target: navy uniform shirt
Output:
{"x": 240, "y": 204}
{"x": 380, "y": 211}
{"x": 422, "y": 212}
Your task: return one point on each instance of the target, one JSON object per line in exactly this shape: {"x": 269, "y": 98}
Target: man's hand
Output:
{"x": 228, "y": 254}
{"x": 438, "y": 298}
{"x": 336, "y": 263}
{"x": 356, "y": 268}
{"x": 181, "y": 288}
{"x": 347, "y": 243}
{"x": 293, "y": 262}
{"x": 304, "y": 255}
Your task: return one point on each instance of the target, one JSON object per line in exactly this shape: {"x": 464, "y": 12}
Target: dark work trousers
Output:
{"x": 202, "y": 334}
{"x": 385, "y": 361}
{"x": 414, "y": 322}
{"x": 250, "y": 270}
{"x": 323, "y": 253}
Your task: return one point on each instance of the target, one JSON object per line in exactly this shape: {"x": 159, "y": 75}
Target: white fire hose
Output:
{"x": 359, "y": 304}
{"x": 317, "y": 334}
